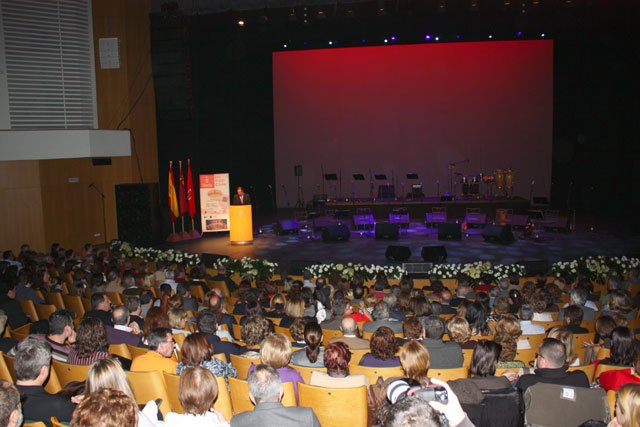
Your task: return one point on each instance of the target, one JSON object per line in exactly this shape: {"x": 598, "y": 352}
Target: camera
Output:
{"x": 435, "y": 393}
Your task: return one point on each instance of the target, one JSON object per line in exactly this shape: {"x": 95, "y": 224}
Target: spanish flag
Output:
{"x": 173, "y": 199}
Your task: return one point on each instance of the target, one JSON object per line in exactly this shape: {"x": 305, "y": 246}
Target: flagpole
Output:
{"x": 173, "y": 237}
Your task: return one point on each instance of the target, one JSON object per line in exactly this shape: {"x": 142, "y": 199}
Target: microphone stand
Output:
{"x": 104, "y": 215}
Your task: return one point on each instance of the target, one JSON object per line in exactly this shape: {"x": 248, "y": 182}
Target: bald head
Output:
{"x": 349, "y": 326}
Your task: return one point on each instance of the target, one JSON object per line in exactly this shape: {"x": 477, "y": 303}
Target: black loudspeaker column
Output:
{"x": 297, "y": 170}
{"x": 434, "y": 254}
{"x": 287, "y": 226}
{"x": 138, "y": 213}
{"x": 336, "y": 233}
{"x": 449, "y": 231}
{"x": 497, "y": 233}
{"x": 397, "y": 253}
{"x": 387, "y": 231}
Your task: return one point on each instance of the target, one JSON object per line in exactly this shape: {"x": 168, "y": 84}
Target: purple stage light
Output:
{"x": 393, "y": 38}
{"x": 519, "y": 33}
{"x": 427, "y": 37}
{"x": 363, "y": 41}
{"x": 457, "y": 37}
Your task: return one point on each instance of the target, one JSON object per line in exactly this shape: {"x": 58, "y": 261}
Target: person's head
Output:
{"x": 622, "y": 346}
{"x": 146, "y": 299}
{"x": 509, "y": 325}
{"x": 207, "y": 322}
{"x": 358, "y": 292}
{"x": 604, "y": 327}
{"x": 415, "y": 361}
{"x": 297, "y": 328}
{"x": 552, "y": 354}
{"x": 277, "y": 302}
{"x": 477, "y": 317}
{"x": 433, "y": 327}
{"x": 294, "y": 307}
{"x": 32, "y": 360}
{"x": 339, "y": 305}
{"x": 197, "y": 390}
{"x": 276, "y": 351}
{"x": 107, "y": 373}
{"x": 100, "y": 301}
{"x": 196, "y": 349}
{"x": 380, "y": 311}
{"x": 383, "y": 343}
{"x": 538, "y": 302}
{"x": 420, "y": 306}
{"x": 565, "y": 336}
{"x": 155, "y": 318}
{"x": 504, "y": 283}
{"x": 412, "y": 328}
{"x": 336, "y": 359}
{"x": 501, "y": 305}
{"x": 411, "y": 411}
{"x": 177, "y": 318}
{"x": 313, "y": 339}
{"x": 620, "y": 301}
{"x": 10, "y": 408}
{"x": 133, "y": 305}
{"x": 91, "y": 337}
{"x": 573, "y": 315}
{"x": 60, "y": 324}
{"x": 459, "y": 330}
{"x": 120, "y": 315}
{"x": 106, "y": 408}
{"x": 628, "y": 405}
{"x": 509, "y": 347}
{"x": 165, "y": 288}
{"x": 445, "y": 296}
{"x": 265, "y": 385}
{"x": 239, "y": 191}
{"x": 255, "y": 330}
{"x": 485, "y": 358}
{"x": 526, "y": 312}
{"x": 348, "y": 326}
{"x": 161, "y": 341}
{"x": 578, "y": 296}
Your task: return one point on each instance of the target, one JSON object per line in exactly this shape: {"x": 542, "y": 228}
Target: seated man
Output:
{"x": 6, "y": 344}
{"x": 338, "y": 307}
{"x": 349, "y": 328}
{"x": 208, "y": 325}
{"x": 444, "y": 355}
{"x": 61, "y": 335}
{"x": 161, "y": 345}
{"x": 10, "y": 306}
{"x": 124, "y": 331}
{"x": 445, "y": 301}
{"x": 222, "y": 276}
{"x": 527, "y": 327}
{"x": 578, "y": 296}
{"x": 131, "y": 287}
{"x": 265, "y": 391}
{"x": 551, "y": 368}
{"x": 188, "y": 302}
{"x": 135, "y": 311}
{"x": 10, "y": 409}
{"x": 100, "y": 308}
{"x": 381, "y": 317}
{"x": 32, "y": 364}
{"x": 573, "y": 319}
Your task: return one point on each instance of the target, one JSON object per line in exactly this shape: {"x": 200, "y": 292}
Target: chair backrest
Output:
{"x": 604, "y": 368}
{"x": 366, "y": 335}
{"x": 221, "y": 356}
{"x": 52, "y": 385}
{"x": 549, "y": 325}
{"x": 67, "y": 373}
{"x": 481, "y": 337}
{"x": 603, "y": 353}
{"x": 74, "y": 303}
{"x": 239, "y": 391}
{"x": 237, "y": 331}
{"x": 86, "y": 303}
{"x": 305, "y": 372}
{"x": 374, "y": 373}
{"x": 171, "y": 382}
{"x": 197, "y": 292}
{"x": 35, "y": 424}
{"x": 29, "y": 308}
{"x": 5, "y": 374}
{"x": 534, "y": 340}
{"x": 589, "y": 370}
{"x": 22, "y": 332}
{"x": 56, "y": 423}
{"x": 449, "y": 374}
{"x": 589, "y": 324}
{"x": 120, "y": 350}
{"x": 148, "y": 386}
{"x": 356, "y": 356}
{"x": 136, "y": 351}
{"x": 45, "y": 310}
{"x": 8, "y": 360}
{"x": 285, "y": 331}
{"x": 611, "y": 400}
{"x": 179, "y": 339}
{"x": 526, "y": 355}
{"x": 223, "y": 402}
{"x": 328, "y": 334}
{"x": 242, "y": 365}
{"x": 115, "y": 297}
{"x": 327, "y": 403}
{"x": 55, "y": 298}
{"x": 275, "y": 320}
{"x": 468, "y": 355}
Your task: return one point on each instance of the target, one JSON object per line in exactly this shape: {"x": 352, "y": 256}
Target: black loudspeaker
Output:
{"x": 535, "y": 267}
{"x": 286, "y": 226}
{"x": 138, "y": 213}
{"x": 297, "y": 170}
{"x": 336, "y": 233}
{"x": 434, "y": 254}
{"x": 449, "y": 231}
{"x": 397, "y": 253}
{"x": 497, "y": 233}
{"x": 387, "y": 231}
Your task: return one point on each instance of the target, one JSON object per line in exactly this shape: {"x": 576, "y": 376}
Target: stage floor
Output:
{"x": 605, "y": 239}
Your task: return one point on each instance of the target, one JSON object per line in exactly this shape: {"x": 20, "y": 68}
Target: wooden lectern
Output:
{"x": 240, "y": 225}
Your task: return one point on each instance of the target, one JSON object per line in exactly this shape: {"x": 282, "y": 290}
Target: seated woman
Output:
{"x": 415, "y": 362}
{"x": 276, "y": 306}
{"x": 91, "y": 343}
{"x": 106, "y": 408}
{"x": 293, "y": 309}
{"x": 383, "y": 349}
{"x": 108, "y": 373}
{"x": 155, "y": 318}
{"x": 197, "y": 391}
{"x": 276, "y": 351}
{"x": 252, "y": 308}
{"x": 623, "y": 344}
{"x": 297, "y": 332}
{"x": 197, "y": 351}
{"x": 509, "y": 325}
{"x": 312, "y": 355}
{"x": 614, "y": 379}
{"x": 507, "y": 336}
{"x": 412, "y": 330}
{"x": 178, "y": 321}
{"x": 620, "y": 303}
{"x": 336, "y": 360}
{"x": 540, "y": 313}
{"x": 483, "y": 366}
{"x": 477, "y": 316}
{"x": 459, "y": 331}
{"x": 627, "y": 407}
{"x": 565, "y": 336}
{"x": 253, "y": 332}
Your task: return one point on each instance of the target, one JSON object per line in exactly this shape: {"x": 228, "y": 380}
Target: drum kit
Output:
{"x": 498, "y": 184}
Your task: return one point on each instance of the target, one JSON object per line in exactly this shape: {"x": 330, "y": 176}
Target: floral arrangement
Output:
{"x": 127, "y": 250}
{"x": 349, "y": 270}
{"x": 594, "y": 268}
{"x": 248, "y": 267}
{"x": 476, "y": 270}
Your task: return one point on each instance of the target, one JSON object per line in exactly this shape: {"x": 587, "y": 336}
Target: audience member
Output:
{"x": 10, "y": 306}
{"x": 414, "y": 359}
{"x": 198, "y": 351}
{"x": 578, "y": 297}
{"x": 615, "y": 378}
{"x": 623, "y": 344}
{"x": 313, "y": 354}
{"x": 156, "y": 318}
{"x": 158, "y": 358}
{"x": 124, "y": 331}
{"x": 526, "y": 316}
{"x": 293, "y": 309}
{"x": 100, "y": 308}
{"x": 276, "y": 351}
{"x": 188, "y": 302}
{"x": 573, "y": 316}
{"x": 61, "y": 335}
{"x": 207, "y": 325}
{"x": 565, "y": 336}
{"x": 6, "y": 343}
{"x": 106, "y": 408}
{"x": 382, "y": 349}
{"x": 412, "y": 330}
{"x": 443, "y": 355}
{"x": 10, "y": 408}
{"x": 349, "y": 327}
{"x": 297, "y": 332}
{"x": 540, "y": 313}
{"x": 338, "y": 308}
{"x": 382, "y": 317}
{"x": 178, "y": 321}
{"x": 483, "y": 366}
{"x": 336, "y": 359}
{"x": 460, "y": 332}
{"x": 91, "y": 343}
{"x": 627, "y": 407}
{"x": 135, "y": 311}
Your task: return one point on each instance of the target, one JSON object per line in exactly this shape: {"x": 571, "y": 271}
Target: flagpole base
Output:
{"x": 184, "y": 235}
{"x": 195, "y": 234}
{"x": 174, "y": 237}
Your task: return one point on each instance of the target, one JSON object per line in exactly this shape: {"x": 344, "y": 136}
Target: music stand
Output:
{"x": 380, "y": 177}
{"x": 358, "y": 177}
{"x": 412, "y": 176}
{"x": 330, "y": 177}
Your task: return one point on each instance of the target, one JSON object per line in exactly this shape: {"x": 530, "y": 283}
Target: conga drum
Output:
{"x": 508, "y": 179}
{"x": 499, "y": 178}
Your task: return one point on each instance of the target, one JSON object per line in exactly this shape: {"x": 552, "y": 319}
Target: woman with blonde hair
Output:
{"x": 510, "y": 325}
{"x": 460, "y": 332}
{"x": 627, "y": 407}
{"x": 565, "y": 336}
{"x": 415, "y": 362}
{"x": 178, "y": 321}
{"x": 106, "y": 408}
{"x": 293, "y": 309}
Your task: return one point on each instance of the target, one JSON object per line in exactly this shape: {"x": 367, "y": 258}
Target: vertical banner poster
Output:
{"x": 214, "y": 202}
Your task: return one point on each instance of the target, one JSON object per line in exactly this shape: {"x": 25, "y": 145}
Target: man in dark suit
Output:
{"x": 241, "y": 198}
{"x": 122, "y": 332}
{"x": 265, "y": 391}
{"x": 101, "y": 308}
{"x": 208, "y": 325}
{"x": 443, "y": 355}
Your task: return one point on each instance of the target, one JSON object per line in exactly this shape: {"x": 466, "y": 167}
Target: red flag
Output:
{"x": 183, "y": 194}
{"x": 173, "y": 200}
{"x": 191, "y": 195}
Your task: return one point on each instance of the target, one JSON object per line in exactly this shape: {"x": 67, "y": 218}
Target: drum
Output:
{"x": 500, "y": 178}
{"x": 488, "y": 178}
{"x": 508, "y": 179}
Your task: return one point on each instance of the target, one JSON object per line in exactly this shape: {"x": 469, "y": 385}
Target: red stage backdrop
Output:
{"x": 413, "y": 108}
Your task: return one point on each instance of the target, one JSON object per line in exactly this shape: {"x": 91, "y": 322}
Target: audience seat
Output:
{"x": 449, "y": 374}
{"x": 36, "y": 424}
{"x": 8, "y": 361}
{"x": 197, "y": 292}
{"x": 534, "y": 340}
{"x": 120, "y": 350}
{"x": 52, "y": 385}
{"x": 74, "y": 304}
{"x": 328, "y": 334}
{"x": 115, "y": 297}
{"x": 223, "y": 402}
{"x": 305, "y": 372}
{"x": 55, "y": 298}
{"x": 237, "y": 331}
{"x": 67, "y": 373}
{"x": 373, "y": 373}
{"x": 611, "y": 401}
{"x": 589, "y": 370}
{"x": 578, "y": 340}
{"x": 527, "y": 356}
{"x": 480, "y": 338}
{"x": 590, "y": 325}
{"x": 603, "y": 353}
{"x": 45, "y": 310}
{"x": 148, "y": 386}
{"x": 136, "y": 351}
{"x": 239, "y": 391}
{"x": 275, "y": 320}
{"x": 468, "y": 355}
{"x": 56, "y": 423}
{"x": 221, "y": 356}
{"x": 549, "y": 325}
{"x": 242, "y": 364}
{"x": 5, "y": 373}
{"x": 22, "y": 332}
{"x": 171, "y": 383}
{"x": 285, "y": 331}
{"x": 604, "y": 368}
{"x": 29, "y": 309}
{"x": 336, "y": 407}
{"x": 356, "y": 356}
{"x": 86, "y": 303}
{"x": 237, "y": 317}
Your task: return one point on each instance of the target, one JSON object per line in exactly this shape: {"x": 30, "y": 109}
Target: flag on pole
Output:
{"x": 191, "y": 195}
{"x": 183, "y": 194}
{"x": 173, "y": 200}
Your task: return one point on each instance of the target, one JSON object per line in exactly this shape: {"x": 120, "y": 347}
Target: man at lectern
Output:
{"x": 241, "y": 198}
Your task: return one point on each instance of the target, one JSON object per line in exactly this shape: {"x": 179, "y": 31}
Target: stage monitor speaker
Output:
{"x": 498, "y": 233}
{"x": 449, "y": 231}
{"x": 336, "y": 233}
{"x": 286, "y": 226}
{"x": 435, "y": 254}
{"x": 387, "y": 231}
{"x": 138, "y": 213}
{"x": 297, "y": 267}
{"x": 297, "y": 170}
{"x": 210, "y": 260}
{"x": 535, "y": 267}
{"x": 397, "y": 253}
